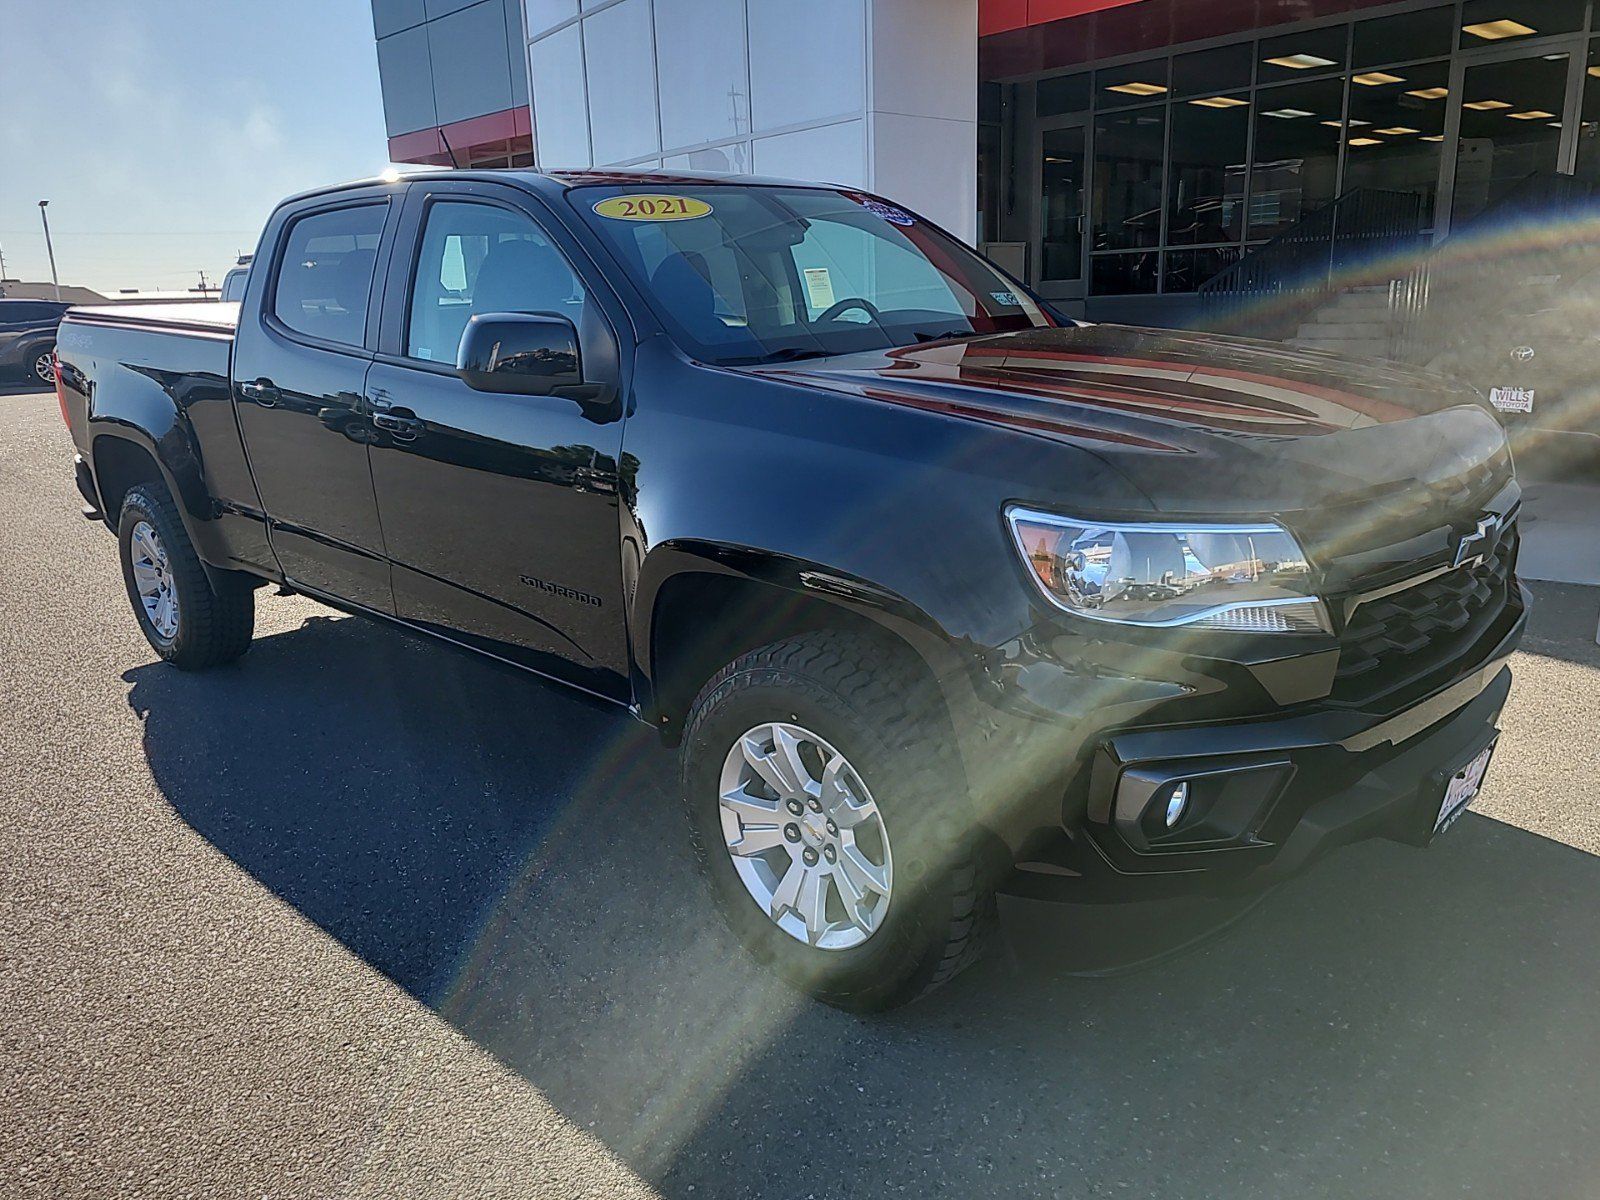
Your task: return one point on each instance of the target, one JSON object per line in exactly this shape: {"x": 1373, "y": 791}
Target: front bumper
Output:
{"x": 1282, "y": 791}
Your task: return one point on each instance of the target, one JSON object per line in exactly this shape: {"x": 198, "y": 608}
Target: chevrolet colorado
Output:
{"x": 936, "y": 595}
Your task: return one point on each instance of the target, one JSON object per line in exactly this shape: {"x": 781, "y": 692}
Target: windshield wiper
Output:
{"x": 948, "y": 335}
{"x": 786, "y": 354}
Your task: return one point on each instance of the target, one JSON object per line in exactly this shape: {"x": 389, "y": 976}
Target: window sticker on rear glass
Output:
{"x": 895, "y": 216}
{"x": 653, "y": 208}
{"x": 1009, "y": 299}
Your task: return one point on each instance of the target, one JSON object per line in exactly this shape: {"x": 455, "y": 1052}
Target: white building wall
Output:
{"x": 879, "y": 94}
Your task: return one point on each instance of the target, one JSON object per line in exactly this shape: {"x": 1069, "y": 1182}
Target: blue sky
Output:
{"x": 163, "y": 131}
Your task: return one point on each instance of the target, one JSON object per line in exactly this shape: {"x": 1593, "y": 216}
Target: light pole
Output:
{"x": 49, "y": 249}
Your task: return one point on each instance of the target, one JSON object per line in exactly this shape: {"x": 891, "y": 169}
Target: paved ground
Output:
{"x": 364, "y": 916}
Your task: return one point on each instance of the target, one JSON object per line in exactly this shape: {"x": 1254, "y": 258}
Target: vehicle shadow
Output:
{"x": 1396, "y": 1022}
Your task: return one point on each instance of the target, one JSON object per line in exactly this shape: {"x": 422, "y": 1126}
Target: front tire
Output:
{"x": 832, "y": 822}
{"x": 186, "y": 621}
{"x": 42, "y": 366}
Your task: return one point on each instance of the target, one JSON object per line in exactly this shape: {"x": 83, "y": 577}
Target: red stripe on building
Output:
{"x": 471, "y": 138}
{"x": 998, "y": 16}
{"x": 1026, "y": 36}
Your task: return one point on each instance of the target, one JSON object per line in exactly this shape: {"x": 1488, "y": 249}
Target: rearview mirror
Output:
{"x": 521, "y": 354}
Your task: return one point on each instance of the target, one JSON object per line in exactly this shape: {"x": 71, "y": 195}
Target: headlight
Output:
{"x": 1246, "y": 578}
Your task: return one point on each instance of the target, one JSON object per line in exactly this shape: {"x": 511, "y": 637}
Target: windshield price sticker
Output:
{"x": 653, "y": 208}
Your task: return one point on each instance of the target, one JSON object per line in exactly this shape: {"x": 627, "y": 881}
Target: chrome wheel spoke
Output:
{"x": 781, "y": 767}
{"x": 758, "y": 839}
{"x": 787, "y": 892}
{"x": 864, "y": 874}
{"x": 750, "y": 808}
{"x": 813, "y": 905}
{"x": 839, "y": 800}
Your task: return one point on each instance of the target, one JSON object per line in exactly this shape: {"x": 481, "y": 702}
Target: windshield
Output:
{"x": 747, "y": 274}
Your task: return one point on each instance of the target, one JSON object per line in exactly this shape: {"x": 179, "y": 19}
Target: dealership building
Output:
{"x": 1121, "y": 155}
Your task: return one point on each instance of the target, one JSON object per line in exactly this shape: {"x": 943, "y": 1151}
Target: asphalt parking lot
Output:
{"x": 365, "y": 916}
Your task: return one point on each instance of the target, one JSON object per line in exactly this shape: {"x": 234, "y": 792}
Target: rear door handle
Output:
{"x": 261, "y": 391}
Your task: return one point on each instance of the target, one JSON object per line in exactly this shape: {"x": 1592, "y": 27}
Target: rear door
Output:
{"x": 500, "y": 512}
{"x": 305, "y": 344}
{"x": 18, "y": 319}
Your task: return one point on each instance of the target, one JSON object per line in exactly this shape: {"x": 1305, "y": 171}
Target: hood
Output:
{"x": 1199, "y": 423}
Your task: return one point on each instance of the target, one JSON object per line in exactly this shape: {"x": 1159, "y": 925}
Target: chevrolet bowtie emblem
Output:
{"x": 1474, "y": 548}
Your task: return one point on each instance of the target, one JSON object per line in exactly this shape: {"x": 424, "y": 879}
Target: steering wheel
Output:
{"x": 831, "y": 313}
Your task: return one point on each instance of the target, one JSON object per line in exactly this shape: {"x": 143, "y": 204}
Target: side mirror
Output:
{"x": 521, "y": 354}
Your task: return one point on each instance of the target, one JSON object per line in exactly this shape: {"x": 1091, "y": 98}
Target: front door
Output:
{"x": 300, "y": 370}
{"x": 1062, "y": 250}
{"x": 500, "y": 512}
{"x": 1515, "y": 114}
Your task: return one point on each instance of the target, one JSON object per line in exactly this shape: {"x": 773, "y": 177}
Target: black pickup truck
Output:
{"x": 938, "y": 596}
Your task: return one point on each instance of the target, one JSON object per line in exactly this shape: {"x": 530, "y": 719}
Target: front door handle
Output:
{"x": 401, "y": 424}
{"x": 261, "y": 391}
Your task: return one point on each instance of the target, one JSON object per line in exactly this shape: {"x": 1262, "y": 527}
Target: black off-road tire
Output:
{"x": 214, "y": 627}
{"x": 867, "y": 702}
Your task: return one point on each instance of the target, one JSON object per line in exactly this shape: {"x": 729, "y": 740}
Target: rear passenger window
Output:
{"x": 325, "y": 276}
{"x": 477, "y": 258}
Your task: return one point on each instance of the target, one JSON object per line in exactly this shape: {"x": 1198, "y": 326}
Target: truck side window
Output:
{"x": 479, "y": 258}
{"x": 325, "y": 277}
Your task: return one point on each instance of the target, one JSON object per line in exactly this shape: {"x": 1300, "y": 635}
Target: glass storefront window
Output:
{"x": 1589, "y": 130}
{"x": 1266, "y": 130}
{"x": 1188, "y": 269}
{"x": 1063, "y": 94}
{"x": 1125, "y": 274}
{"x": 1062, "y": 174}
{"x": 1301, "y": 55}
{"x": 1502, "y": 22}
{"x": 1405, "y": 38}
{"x": 1138, "y": 83}
{"x": 1207, "y": 72}
{"x": 1510, "y": 129}
{"x": 1128, "y": 150}
{"x": 1296, "y": 169}
{"x": 1397, "y": 131}
{"x": 1206, "y": 180}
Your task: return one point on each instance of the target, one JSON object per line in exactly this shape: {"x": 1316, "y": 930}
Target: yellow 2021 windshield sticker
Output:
{"x": 653, "y": 208}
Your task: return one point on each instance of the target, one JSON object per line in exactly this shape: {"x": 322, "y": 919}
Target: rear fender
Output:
{"x": 146, "y": 407}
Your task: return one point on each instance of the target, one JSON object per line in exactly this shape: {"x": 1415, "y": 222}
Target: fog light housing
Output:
{"x": 1198, "y": 804}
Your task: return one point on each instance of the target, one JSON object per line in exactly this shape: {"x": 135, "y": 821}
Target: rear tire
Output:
{"x": 874, "y": 718}
{"x": 186, "y": 621}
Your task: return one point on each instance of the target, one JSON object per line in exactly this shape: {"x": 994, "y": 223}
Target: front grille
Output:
{"x": 1409, "y": 637}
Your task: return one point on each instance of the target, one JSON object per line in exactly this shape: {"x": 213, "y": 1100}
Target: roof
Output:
{"x": 15, "y": 289}
{"x": 560, "y": 179}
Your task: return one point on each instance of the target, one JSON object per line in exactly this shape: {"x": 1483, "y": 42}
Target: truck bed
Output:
{"x": 205, "y": 318}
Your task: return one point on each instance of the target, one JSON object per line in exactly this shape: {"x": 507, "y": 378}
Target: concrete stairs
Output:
{"x": 1356, "y": 322}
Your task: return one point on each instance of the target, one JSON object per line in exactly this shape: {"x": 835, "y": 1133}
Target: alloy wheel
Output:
{"x": 152, "y": 577}
{"x": 44, "y": 367}
{"x": 805, "y": 836}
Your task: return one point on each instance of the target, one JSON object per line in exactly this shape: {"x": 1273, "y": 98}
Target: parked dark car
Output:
{"x": 28, "y": 338}
{"x": 936, "y": 597}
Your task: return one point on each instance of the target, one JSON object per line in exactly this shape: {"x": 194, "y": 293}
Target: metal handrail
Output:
{"x": 1325, "y": 250}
